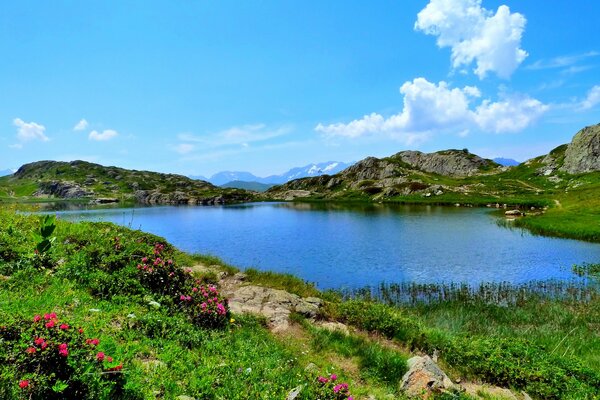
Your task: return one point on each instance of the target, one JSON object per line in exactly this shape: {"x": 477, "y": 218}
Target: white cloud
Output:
{"x": 476, "y": 34}
{"x": 105, "y": 135}
{"x": 430, "y": 108}
{"x": 28, "y": 131}
{"x": 561, "y": 61}
{"x": 592, "y": 99}
{"x": 184, "y": 148}
{"x": 512, "y": 114}
{"x": 236, "y": 136}
{"x": 81, "y": 125}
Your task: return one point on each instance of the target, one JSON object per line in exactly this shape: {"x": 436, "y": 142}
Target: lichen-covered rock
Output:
{"x": 424, "y": 377}
{"x": 583, "y": 154}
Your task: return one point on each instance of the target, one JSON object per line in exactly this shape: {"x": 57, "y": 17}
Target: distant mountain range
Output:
{"x": 310, "y": 170}
{"x": 506, "y": 162}
{"x": 254, "y": 186}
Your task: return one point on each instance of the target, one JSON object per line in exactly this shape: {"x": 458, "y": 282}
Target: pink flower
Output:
{"x": 30, "y": 350}
{"x": 221, "y": 309}
{"x": 81, "y": 330}
{"x": 23, "y": 384}
{"x": 322, "y": 379}
{"x": 64, "y": 327}
{"x": 333, "y": 377}
{"x": 36, "y": 318}
{"x": 50, "y": 324}
{"x": 44, "y": 345}
{"x": 93, "y": 342}
{"x": 341, "y": 386}
{"x": 109, "y": 359}
{"x": 50, "y": 316}
{"x": 144, "y": 259}
{"x": 182, "y": 297}
{"x": 100, "y": 356}
{"x": 38, "y": 341}
{"x": 194, "y": 289}
{"x": 62, "y": 349}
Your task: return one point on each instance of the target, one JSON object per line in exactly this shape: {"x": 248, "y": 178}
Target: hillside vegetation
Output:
{"x": 84, "y": 180}
{"x": 559, "y": 192}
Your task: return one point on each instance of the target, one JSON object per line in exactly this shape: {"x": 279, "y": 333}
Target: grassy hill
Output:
{"x": 556, "y": 202}
{"x": 84, "y": 180}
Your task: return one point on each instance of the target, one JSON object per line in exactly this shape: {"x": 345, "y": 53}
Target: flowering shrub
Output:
{"x": 161, "y": 275}
{"x": 331, "y": 389}
{"x": 50, "y": 359}
{"x": 206, "y": 306}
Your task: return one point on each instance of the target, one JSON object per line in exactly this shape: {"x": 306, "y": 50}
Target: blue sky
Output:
{"x": 262, "y": 86}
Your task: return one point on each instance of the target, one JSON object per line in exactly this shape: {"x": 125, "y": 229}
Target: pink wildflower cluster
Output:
{"x": 206, "y": 305}
{"x": 159, "y": 273}
{"x": 45, "y": 351}
{"x": 52, "y": 342}
{"x": 331, "y": 390}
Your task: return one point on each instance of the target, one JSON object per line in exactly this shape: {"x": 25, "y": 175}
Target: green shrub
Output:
{"x": 45, "y": 358}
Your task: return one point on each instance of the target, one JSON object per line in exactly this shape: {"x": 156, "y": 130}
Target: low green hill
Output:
{"x": 84, "y": 180}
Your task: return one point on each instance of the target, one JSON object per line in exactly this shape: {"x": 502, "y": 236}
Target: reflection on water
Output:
{"x": 353, "y": 245}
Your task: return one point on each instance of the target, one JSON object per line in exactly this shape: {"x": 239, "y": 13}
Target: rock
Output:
{"x": 449, "y": 162}
{"x": 334, "y": 326}
{"x": 513, "y": 213}
{"x": 184, "y": 397}
{"x": 424, "y": 377}
{"x": 583, "y": 153}
{"x": 294, "y": 393}
{"x": 307, "y": 309}
{"x": 274, "y": 304}
{"x": 482, "y": 391}
{"x": 65, "y": 190}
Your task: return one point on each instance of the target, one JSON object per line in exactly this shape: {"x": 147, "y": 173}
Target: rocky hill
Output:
{"x": 404, "y": 173}
{"x": 84, "y": 180}
{"x": 455, "y": 176}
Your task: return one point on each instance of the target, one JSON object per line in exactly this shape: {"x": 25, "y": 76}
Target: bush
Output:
{"x": 206, "y": 307}
{"x": 46, "y": 358}
{"x": 329, "y": 389}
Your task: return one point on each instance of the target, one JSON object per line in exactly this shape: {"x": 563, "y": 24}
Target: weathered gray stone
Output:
{"x": 424, "y": 377}
{"x": 583, "y": 154}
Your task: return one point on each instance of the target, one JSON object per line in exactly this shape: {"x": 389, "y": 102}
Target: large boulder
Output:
{"x": 583, "y": 154}
{"x": 424, "y": 378}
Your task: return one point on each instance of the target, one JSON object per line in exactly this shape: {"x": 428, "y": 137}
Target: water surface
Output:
{"x": 352, "y": 246}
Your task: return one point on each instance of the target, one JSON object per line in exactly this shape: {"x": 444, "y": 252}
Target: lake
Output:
{"x": 350, "y": 246}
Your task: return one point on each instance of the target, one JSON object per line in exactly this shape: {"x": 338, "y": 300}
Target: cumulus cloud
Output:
{"x": 511, "y": 114}
{"x": 28, "y": 131}
{"x": 592, "y": 99}
{"x": 103, "y": 136}
{"x": 81, "y": 125}
{"x": 475, "y": 34}
{"x": 429, "y": 108}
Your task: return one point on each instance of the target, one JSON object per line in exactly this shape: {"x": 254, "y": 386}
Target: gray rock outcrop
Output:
{"x": 449, "y": 162}
{"x": 424, "y": 377}
{"x": 583, "y": 154}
